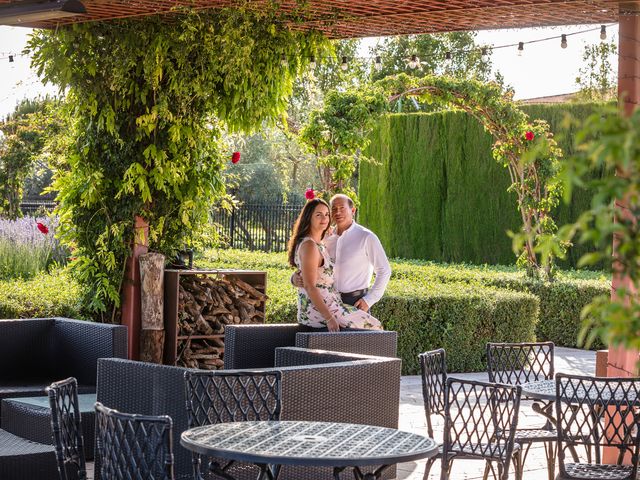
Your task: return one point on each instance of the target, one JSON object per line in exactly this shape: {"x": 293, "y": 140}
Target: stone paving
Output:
{"x": 412, "y": 418}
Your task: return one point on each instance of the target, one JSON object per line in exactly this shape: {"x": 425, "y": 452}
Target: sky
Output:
{"x": 543, "y": 69}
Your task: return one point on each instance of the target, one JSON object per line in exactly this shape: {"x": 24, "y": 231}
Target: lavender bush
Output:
{"x": 28, "y": 246}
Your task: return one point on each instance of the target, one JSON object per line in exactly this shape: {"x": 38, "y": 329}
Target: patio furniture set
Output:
{"x": 283, "y": 408}
{"x": 599, "y": 415}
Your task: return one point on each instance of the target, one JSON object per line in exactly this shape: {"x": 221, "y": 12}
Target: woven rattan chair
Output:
{"x": 595, "y": 413}
{"x": 67, "y": 430}
{"x": 480, "y": 423}
{"x": 433, "y": 366}
{"x": 219, "y": 396}
{"x": 133, "y": 447}
{"x": 518, "y": 363}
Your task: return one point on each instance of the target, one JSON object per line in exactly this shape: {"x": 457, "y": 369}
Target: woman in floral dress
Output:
{"x": 320, "y": 305}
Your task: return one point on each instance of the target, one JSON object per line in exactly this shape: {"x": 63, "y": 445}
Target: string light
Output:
{"x": 447, "y": 56}
{"x": 520, "y": 48}
{"x": 484, "y": 52}
{"x": 345, "y": 64}
{"x": 603, "y": 32}
{"x": 414, "y": 62}
{"x": 10, "y": 58}
{"x": 378, "y": 63}
{"x": 563, "y": 42}
{"x": 312, "y": 62}
{"x": 284, "y": 61}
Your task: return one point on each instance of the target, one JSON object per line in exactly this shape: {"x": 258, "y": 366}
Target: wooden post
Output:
{"x": 152, "y": 306}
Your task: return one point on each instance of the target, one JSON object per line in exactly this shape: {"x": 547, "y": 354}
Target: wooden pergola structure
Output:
{"x": 368, "y": 18}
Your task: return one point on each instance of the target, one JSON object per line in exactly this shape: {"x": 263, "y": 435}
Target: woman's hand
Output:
{"x": 333, "y": 325}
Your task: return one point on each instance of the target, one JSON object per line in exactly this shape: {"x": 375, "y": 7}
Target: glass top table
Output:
{"x": 546, "y": 390}
{"x": 313, "y": 444}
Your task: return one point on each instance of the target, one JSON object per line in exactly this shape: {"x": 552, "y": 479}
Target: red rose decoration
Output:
{"x": 309, "y": 194}
{"x": 42, "y": 227}
{"x": 529, "y": 135}
{"x": 235, "y": 158}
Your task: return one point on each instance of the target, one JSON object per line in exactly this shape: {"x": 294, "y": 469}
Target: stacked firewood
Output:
{"x": 206, "y": 305}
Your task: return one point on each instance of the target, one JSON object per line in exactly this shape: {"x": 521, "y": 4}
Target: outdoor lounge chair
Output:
{"x": 315, "y": 385}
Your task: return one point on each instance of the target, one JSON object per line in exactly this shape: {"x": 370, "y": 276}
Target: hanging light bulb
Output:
{"x": 414, "y": 62}
{"x": 378, "y": 64}
{"x": 603, "y": 32}
{"x": 10, "y": 58}
{"x": 312, "y": 62}
{"x": 447, "y": 56}
{"x": 345, "y": 64}
{"x": 484, "y": 52}
{"x": 563, "y": 42}
{"x": 284, "y": 61}
{"x": 520, "y": 48}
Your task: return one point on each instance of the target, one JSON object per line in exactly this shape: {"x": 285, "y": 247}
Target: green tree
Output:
{"x": 431, "y": 51}
{"x": 609, "y": 142}
{"x": 597, "y": 79}
{"x": 148, "y": 102}
{"x": 23, "y": 135}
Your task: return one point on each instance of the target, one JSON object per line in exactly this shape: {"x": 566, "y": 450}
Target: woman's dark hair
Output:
{"x": 302, "y": 227}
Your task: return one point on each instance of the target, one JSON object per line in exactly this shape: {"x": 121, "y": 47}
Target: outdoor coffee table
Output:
{"x": 271, "y": 444}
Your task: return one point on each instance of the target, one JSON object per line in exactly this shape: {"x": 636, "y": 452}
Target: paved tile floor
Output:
{"x": 412, "y": 419}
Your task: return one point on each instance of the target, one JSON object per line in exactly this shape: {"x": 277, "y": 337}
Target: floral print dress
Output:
{"x": 346, "y": 315}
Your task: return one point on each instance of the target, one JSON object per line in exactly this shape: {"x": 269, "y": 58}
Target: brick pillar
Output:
{"x": 131, "y": 288}
{"x": 622, "y": 363}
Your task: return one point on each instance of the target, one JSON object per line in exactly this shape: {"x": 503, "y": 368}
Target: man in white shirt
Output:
{"x": 357, "y": 253}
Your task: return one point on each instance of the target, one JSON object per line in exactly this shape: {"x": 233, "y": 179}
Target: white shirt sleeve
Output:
{"x": 381, "y": 267}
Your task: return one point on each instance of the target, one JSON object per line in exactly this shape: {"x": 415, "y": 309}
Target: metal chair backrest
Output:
{"x": 220, "y": 396}
{"x": 433, "y": 365}
{"x": 518, "y": 363}
{"x": 481, "y": 419}
{"x": 598, "y": 412}
{"x": 67, "y": 429}
{"x": 134, "y": 446}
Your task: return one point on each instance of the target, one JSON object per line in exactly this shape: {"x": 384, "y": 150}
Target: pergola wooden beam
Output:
{"x": 352, "y": 18}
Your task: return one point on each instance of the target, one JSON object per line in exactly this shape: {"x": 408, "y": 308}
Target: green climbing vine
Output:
{"x": 526, "y": 148}
{"x": 147, "y": 101}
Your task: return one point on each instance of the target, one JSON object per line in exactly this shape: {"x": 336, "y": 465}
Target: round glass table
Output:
{"x": 270, "y": 444}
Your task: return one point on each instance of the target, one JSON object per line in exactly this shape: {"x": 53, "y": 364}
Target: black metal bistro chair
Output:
{"x": 220, "y": 396}
{"x": 480, "y": 422}
{"x": 67, "y": 431}
{"x": 133, "y": 447}
{"x": 518, "y": 363}
{"x": 596, "y": 413}
{"x": 433, "y": 365}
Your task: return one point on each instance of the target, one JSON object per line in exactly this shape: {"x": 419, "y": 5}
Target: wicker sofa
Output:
{"x": 316, "y": 385}
{"x": 37, "y": 351}
{"x": 34, "y": 353}
{"x": 254, "y": 346}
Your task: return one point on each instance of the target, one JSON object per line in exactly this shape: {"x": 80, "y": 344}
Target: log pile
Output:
{"x": 206, "y": 305}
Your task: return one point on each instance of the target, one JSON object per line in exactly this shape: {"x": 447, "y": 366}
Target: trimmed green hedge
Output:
{"x": 45, "y": 295}
{"x": 426, "y": 313}
{"x": 436, "y": 193}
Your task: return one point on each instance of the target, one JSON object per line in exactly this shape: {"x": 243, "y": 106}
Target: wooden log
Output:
{"x": 151, "y": 345}
{"x": 152, "y": 307}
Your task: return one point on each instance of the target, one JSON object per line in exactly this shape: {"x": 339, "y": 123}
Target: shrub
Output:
{"x": 46, "y": 295}
{"x": 426, "y": 313}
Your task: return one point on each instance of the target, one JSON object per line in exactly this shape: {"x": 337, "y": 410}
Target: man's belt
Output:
{"x": 355, "y": 293}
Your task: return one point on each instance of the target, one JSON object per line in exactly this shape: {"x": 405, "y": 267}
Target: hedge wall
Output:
{"x": 438, "y": 194}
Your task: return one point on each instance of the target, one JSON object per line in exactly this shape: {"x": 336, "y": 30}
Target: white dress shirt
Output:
{"x": 357, "y": 254}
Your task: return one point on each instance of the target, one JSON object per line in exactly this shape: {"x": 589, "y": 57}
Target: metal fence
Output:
{"x": 250, "y": 226}
{"x": 257, "y": 227}
{"x": 32, "y": 208}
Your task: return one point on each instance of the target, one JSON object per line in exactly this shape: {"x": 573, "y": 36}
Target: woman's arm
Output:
{"x": 310, "y": 259}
